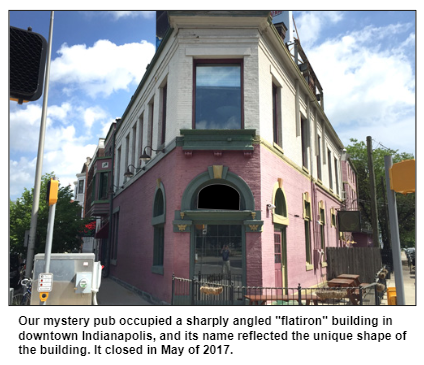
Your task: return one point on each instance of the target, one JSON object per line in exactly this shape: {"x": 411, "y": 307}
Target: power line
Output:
{"x": 388, "y": 149}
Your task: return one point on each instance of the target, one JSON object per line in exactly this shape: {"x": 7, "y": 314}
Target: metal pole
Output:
{"x": 39, "y": 167}
{"x": 374, "y": 212}
{"x": 49, "y": 238}
{"x": 394, "y": 232}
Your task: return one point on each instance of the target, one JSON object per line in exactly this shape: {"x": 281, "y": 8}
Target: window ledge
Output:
{"x": 279, "y": 148}
{"x": 218, "y": 139}
{"x": 309, "y": 267}
{"x": 324, "y": 264}
{"x": 157, "y": 270}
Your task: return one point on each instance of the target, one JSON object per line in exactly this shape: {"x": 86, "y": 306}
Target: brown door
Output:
{"x": 278, "y": 260}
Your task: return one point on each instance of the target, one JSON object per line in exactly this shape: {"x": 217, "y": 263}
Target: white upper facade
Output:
{"x": 239, "y": 59}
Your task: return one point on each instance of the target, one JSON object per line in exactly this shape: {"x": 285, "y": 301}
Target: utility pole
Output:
{"x": 39, "y": 167}
{"x": 374, "y": 213}
{"x": 386, "y": 218}
{"x": 394, "y": 231}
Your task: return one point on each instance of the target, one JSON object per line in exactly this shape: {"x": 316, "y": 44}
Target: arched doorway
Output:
{"x": 219, "y": 210}
{"x": 281, "y": 221}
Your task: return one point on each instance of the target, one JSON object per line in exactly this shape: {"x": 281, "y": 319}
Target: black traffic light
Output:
{"x": 27, "y": 52}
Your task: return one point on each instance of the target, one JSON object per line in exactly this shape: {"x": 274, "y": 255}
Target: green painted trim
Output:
{"x": 99, "y": 202}
{"x": 157, "y": 270}
{"x": 182, "y": 226}
{"x": 160, "y": 218}
{"x": 100, "y": 158}
{"x": 253, "y": 226}
{"x": 217, "y": 215}
{"x": 231, "y": 179}
{"x": 218, "y": 139}
{"x": 97, "y": 172}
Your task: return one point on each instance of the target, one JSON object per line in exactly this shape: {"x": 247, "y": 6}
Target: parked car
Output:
{"x": 410, "y": 251}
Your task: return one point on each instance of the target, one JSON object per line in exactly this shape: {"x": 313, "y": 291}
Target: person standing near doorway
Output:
{"x": 225, "y": 252}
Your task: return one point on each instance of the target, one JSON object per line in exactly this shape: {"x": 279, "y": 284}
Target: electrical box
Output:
{"x": 72, "y": 278}
{"x": 83, "y": 282}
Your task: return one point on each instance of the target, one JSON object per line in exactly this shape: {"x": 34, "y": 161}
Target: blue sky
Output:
{"x": 365, "y": 61}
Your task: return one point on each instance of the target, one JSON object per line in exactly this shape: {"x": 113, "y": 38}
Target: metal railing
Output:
{"x": 221, "y": 290}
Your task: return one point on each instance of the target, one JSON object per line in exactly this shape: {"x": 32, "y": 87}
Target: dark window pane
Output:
{"x": 158, "y": 207}
{"x": 219, "y": 197}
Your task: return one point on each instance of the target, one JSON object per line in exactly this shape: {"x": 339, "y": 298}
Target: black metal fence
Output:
{"x": 221, "y": 290}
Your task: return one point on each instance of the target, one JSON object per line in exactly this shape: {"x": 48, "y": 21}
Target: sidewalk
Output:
{"x": 113, "y": 293}
{"x": 408, "y": 283}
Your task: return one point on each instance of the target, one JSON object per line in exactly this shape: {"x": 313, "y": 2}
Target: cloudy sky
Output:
{"x": 365, "y": 61}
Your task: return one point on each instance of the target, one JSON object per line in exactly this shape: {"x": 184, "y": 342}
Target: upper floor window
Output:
{"x": 319, "y": 173}
{"x": 218, "y": 94}
{"x": 336, "y": 172}
{"x": 280, "y": 214}
{"x": 276, "y": 112}
{"x": 330, "y": 171}
{"x": 304, "y": 131}
{"x": 163, "y": 116}
{"x": 80, "y": 186}
{"x": 103, "y": 185}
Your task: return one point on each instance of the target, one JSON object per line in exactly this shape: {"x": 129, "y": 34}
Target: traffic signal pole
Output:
{"x": 40, "y": 155}
{"x": 394, "y": 231}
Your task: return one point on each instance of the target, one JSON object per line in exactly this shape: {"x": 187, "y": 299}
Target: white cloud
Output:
{"x": 132, "y": 14}
{"x": 309, "y": 25}
{"x": 24, "y": 127}
{"x": 65, "y": 162}
{"x": 92, "y": 115}
{"x": 65, "y": 148}
{"x": 368, "y": 86}
{"x": 101, "y": 69}
{"x": 25, "y": 121}
{"x": 21, "y": 176}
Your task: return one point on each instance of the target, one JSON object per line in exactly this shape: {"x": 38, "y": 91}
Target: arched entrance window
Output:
{"x": 218, "y": 196}
{"x": 280, "y": 203}
{"x": 158, "y": 223}
{"x": 281, "y": 221}
{"x": 158, "y": 208}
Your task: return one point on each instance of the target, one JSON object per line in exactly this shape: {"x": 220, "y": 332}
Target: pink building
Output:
{"x": 242, "y": 154}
